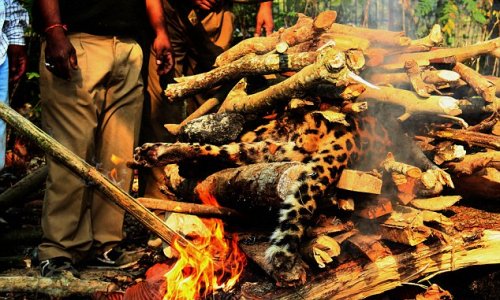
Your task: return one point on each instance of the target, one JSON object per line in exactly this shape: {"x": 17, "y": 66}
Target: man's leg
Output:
{"x": 119, "y": 114}
{"x": 69, "y": 116}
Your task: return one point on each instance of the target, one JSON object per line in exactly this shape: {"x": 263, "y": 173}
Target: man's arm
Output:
{"x": 16, "y": 21}
{"x": 161, "y": 45}
{"x": 60, "y": 55}
{"x": 264, "y": 18}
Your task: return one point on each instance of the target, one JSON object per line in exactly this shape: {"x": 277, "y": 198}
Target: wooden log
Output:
{"x": 329, "y": 67}
{"x": 215, "y": 129}
{"x": 406, "y": 226}
{"x": 56, "y": 287}
{"x": 321, "y": 250}
{"x": 358, "y": 181}
{"x": 439, "y": 78}
{"x": 419, "y": 86}
{"x": 477, "y": 243}
{"x": 472, "y": 163}
{"x": 483, "y": 184}
{"x": 482, "y": 86}
{"x": 375, "y": 36}
{"x": 411, "y": 102}
{"x": 84, "y": 170}
{"x": 250, "y": 64}
{"x": 435, "y": 203}
{"x": 206, "y": 107}
{"x": 469, "y": 137}
{"x": 305, "y": 29}
{"x": 258, "y": 187}
{"x": 19, "y": 192}
{"x": 391, "y": 165}
{"x": 424, "y": 58}
{"x": 201, "y": 210}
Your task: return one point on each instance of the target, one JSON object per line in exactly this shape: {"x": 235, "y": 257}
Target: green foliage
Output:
{"x": 425, "y": 7}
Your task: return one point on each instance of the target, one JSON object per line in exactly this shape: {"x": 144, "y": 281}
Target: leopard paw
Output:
{"x": 288, "y": 268}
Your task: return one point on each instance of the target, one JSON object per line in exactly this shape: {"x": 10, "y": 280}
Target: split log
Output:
{"x": 411, "y": 102}
{"x": 250, "y": 64}
{"x": 370, "y": 246}
{"x": 201, "y": 210}
{"x": 90, "y": 174}
{"x": 270, "y": 183}
{"x": 482, "y": 86}
{"x": 424, "y": 58}
{"x": 20, "y": 191}
{"x": 329, "y": 67}
{"x": 470, "y": 138}
{"x": 305, "y": 29}
{"x": 358, "y": 181}
{"x": 478, "y": 243}
{"x": 406, "y": 226}
{"x": 55, "y": 287}
{"x": 321, "y": 250}
{"x": 435, "y": 203}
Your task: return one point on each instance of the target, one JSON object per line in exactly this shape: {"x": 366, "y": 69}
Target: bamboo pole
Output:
{"x": 87, "y": 172}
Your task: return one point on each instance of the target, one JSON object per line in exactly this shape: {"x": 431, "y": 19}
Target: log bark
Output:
{"x": 411, "y": 102}
{"x": 472, "y": 163}
{"x": 482, "y": 86}
{"x": 439, "y": 78}
{"x": 258, "y": 187}
{"x": 305, "y": 29}
{"x": 250, "y": 64}
{"x": 424, "y": 58}
{"x": 329, "y": 67}
{"x": 469, "y": 137}
{"x": 91, "y": 174}
{"x": 20, "y": 191}
{"x": 477, "y": 244}
{"x": 55, "y": 287}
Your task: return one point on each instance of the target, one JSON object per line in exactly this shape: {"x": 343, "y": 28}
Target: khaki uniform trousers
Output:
{"x": 196, "y": 44}
{"x": 97, "y": 116}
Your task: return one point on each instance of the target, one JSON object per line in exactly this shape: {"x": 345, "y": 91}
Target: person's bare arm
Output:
{"x": 161, "y": 44}
{"x": 264, "y": 18}
{"x": 60, "y": 55}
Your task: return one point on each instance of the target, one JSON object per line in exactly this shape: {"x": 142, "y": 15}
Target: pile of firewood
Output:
{"x": 455, "y": 109}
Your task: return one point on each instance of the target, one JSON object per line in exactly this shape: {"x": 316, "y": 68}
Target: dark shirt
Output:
{"x": 103, "y": 17}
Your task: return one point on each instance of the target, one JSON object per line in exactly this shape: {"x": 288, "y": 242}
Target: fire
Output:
{"x": 218, "y": 264}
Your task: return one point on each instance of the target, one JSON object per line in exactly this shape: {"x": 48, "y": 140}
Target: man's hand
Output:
{"x": 17, "y": 61}
{"x": 205, "y": 4}
{"x": 164, "y": 54}
{"x": 264, "y": 18}
{"x": 60, "y": 55}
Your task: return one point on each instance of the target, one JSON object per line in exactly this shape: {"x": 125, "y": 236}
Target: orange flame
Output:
{"x": 218, "y": 264}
